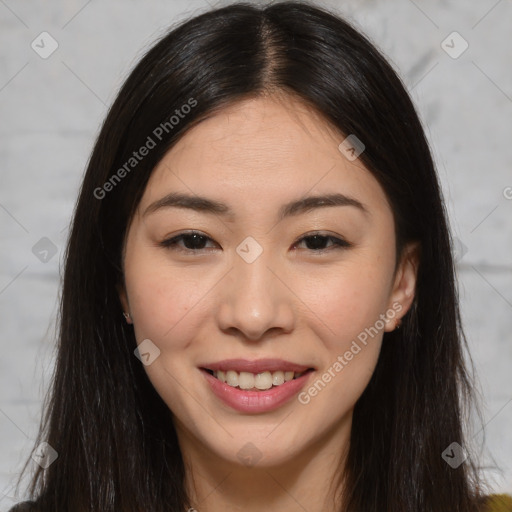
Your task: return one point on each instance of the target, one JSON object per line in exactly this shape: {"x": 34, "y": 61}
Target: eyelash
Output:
{"x": 172, "y": 243}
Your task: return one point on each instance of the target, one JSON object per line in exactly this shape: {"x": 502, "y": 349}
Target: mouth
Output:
{"x": 255, "y": 386}
{"x": 261, "y": 381}
{"x": 264, "y": 389}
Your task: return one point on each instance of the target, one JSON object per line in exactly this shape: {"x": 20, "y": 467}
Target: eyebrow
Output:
{"x": 293, "y": 208}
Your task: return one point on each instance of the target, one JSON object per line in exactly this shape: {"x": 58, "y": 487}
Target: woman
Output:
{"x": 259, "y": 307}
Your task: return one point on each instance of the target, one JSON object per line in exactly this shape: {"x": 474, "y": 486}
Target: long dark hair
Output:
{"x": 116, "y": 443}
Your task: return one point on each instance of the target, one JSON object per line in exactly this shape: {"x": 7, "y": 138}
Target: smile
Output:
{"x": 255, "y": 386}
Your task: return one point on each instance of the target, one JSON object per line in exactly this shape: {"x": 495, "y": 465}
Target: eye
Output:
{"x": 316, "y": 242}
{"x": 195, "y": 241}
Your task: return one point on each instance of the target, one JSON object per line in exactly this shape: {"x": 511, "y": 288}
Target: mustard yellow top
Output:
{"x": 499, "y": 503}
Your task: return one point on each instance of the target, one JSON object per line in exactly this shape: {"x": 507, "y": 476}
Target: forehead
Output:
{"x": 267, "y": 149}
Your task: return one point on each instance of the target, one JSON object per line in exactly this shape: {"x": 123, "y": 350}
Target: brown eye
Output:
{"x": 317, "y": 242}
{"x": 192, "y": 241}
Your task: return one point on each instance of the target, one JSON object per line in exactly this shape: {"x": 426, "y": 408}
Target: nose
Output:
{"x": 255, "y": 299}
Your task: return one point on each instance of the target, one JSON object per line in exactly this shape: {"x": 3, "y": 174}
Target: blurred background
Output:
{"x": 61, "y": 64}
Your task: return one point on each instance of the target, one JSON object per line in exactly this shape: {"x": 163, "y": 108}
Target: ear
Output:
{"x": 123, "y": 297}
{"x": 404, "y": 286}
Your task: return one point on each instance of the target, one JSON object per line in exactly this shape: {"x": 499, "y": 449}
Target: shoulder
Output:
{"x": 25, "y": 506}
{"x": 498, "y": 503}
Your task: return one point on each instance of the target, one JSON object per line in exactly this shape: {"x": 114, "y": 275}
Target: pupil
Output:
{"x": 320, "y": 242}
{"x": 196, "y": 241}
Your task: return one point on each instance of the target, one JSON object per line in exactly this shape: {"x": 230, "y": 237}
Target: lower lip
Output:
{"x": 256, "y": 401}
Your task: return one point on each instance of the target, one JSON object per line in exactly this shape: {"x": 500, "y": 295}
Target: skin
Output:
{"x": 291, "y": 303}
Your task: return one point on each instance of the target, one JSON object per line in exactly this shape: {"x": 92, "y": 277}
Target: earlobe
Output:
{"x": 405, "y": 284}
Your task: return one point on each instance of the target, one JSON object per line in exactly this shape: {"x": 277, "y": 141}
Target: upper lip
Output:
{"x": 255, "y": 366}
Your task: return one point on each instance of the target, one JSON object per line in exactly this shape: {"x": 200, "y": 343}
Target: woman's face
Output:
{"x": 254, "y": 294}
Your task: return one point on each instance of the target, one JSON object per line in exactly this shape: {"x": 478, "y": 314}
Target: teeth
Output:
{"x": 261, "y": 381}
{"x": 278, "y": 378}
{"x": 232, "y": 378}
{"x": 246, "y": 380}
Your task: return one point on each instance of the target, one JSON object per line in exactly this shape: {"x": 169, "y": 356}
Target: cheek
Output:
{"x": 349, "y": 325}
{"x": 346, "y": 304}
{"x": 166, "y": 309}
{"x": 162, "y": 303}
